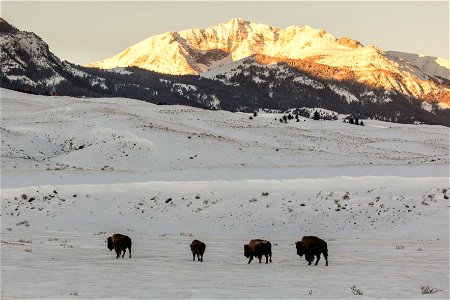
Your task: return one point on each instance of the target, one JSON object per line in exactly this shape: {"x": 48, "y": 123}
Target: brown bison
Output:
{"x": 120, "y": 243}
{"x": 311, "y": 246}
{"x": 198, "y": 248}
{"x": 258, "y": 248}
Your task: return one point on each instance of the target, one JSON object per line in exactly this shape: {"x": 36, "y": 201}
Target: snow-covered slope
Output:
{"x": 198, "y": 50}
{"x": 74, "y": 171}
{"x": 434, "y": 66}
{"x": 157, "y": 142}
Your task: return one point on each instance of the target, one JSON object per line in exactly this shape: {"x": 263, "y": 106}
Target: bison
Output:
{"x": 198, "y": 248}
{"x": 120, "y": 243}
{"x": 258, "y": 248}
{"x": 311, "y": 246}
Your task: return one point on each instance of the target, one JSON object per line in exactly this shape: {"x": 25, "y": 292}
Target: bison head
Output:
{"x": 110, "y": 244}
{"x": 246, "y": 251}
{"x": 300, "y": 249}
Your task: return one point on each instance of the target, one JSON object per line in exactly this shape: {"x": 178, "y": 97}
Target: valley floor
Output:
{"x": 63, "y": 265}
{"x": 74, "y": 171}
{"x": 390, "y": 240}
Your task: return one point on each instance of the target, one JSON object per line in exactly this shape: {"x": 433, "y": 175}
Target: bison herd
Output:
{"x": 310, "y": 246}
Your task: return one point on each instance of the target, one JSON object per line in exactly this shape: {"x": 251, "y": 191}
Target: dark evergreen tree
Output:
{"x": 316, "y": 115}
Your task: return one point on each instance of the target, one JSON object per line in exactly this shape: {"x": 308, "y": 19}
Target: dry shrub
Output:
{"x": 429, "y": 290}
{"x": 355, "y": 290}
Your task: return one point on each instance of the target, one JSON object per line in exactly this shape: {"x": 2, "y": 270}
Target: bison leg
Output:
{"x": 259, "y": 257}
{"x": 123, "y": 253}
{"x": 193, "y": 256}
{"x": 129, "y": 250}
{"x": 118, "y": 253}
{"x": 267, "y": 258}
{"x": 318, "y": 258}
{"x": 250, "y": 260}
{"x": 270, "y": 257}
{"x": 198, "y": 257}
{"x": 201, "y": 258}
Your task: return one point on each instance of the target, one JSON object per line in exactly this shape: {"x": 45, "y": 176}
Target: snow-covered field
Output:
{"x": 74, "y": 171}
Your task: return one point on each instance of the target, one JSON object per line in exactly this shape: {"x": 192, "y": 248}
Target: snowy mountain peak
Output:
{"x": 237, "y": 22}
{"x": 195, "y": 51}
{"x": 188, "y": 50}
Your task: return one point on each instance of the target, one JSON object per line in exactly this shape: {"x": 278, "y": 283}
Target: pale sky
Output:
{"x": 85, "y": 31}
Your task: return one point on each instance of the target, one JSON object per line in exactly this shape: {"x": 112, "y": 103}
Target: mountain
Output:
{"x": 228, "y": 76}
{"x": 198, "y": 51}
{"x": 29, "y": 65}
{"x": 26, "y": 58}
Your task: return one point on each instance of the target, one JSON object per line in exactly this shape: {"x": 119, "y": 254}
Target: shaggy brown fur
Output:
{"x": 258, "y": 248}
{"x": 311, "y": 246}
{"x": 198, "y": 248}
{"x": 120, "y": 243}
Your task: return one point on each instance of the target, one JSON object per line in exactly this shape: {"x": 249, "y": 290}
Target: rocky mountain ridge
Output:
{"x": 29, "y": 65}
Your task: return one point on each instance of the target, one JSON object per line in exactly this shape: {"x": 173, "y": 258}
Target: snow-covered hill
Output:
{"x": 178, "y": 142}
{"x": 195, "y": 51}
{"x": 74, "y": 171}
